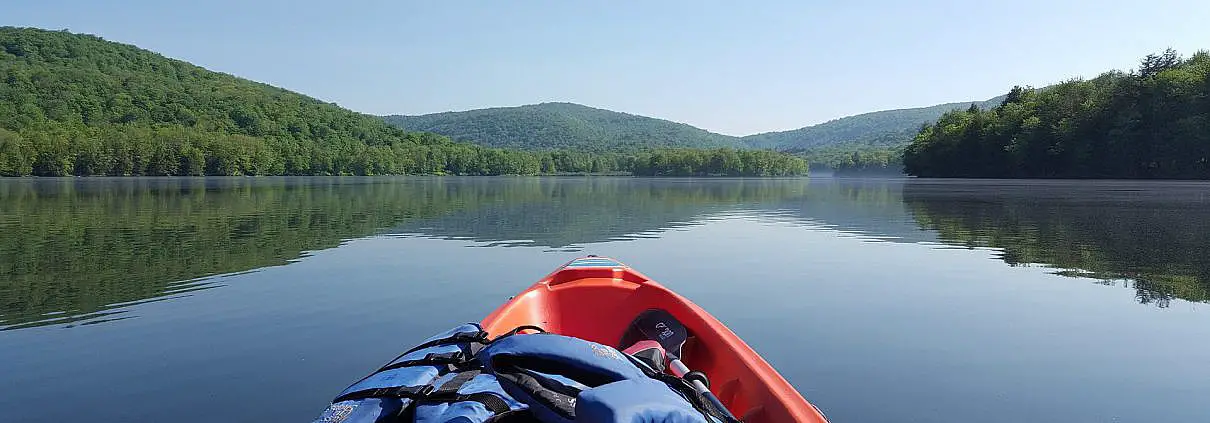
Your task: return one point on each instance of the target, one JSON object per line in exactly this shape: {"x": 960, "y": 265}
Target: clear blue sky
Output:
{"x": 727, "y": 66}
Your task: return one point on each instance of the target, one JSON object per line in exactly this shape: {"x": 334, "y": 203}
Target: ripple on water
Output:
{"x": 110, "y": 312}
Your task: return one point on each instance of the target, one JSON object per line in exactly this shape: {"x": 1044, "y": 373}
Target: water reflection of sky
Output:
{"x": 878, "y": 301}
{"x": 1143, "y": 236}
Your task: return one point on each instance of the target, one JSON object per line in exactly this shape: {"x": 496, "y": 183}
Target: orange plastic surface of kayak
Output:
{"x": 599, "y": 303}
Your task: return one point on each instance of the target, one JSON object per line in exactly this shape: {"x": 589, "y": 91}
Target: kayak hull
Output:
{"x": 597, "y": 298}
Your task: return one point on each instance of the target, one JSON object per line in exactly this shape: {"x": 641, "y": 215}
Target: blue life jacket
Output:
{"x": 460, "y": 376}
{"x": 436, "y": 381}
{"x": 566, "y": 380}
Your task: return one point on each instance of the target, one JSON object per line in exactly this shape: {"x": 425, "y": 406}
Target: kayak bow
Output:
{"x": 596, "y": 299}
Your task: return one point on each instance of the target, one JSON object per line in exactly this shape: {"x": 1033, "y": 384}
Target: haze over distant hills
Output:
{"x": 550, "y": 126}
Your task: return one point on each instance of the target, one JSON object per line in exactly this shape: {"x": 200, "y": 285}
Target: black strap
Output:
{"x": 451, "y": 387}
{"x": 479, "y": 337}
{"x": 521, "y": 415}
{"x": 410, "y": 392}
{"x": 457, "y": 338}
{"x": 559, "y": 402}
{"x": 698, "y": 401}
{"x": 448, "y": 392}
{"x": 682, "y": 387}
{"x": 454, "y": 357}
{"x": 517, "y": 330}
{"x": 491, "y": 401}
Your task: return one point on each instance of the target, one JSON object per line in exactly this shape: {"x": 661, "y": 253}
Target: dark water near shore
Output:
{"x": 258, "y": 299}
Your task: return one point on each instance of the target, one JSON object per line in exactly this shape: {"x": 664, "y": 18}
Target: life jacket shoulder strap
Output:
{"x": 408, "y": 392}
{"x": 479, "y": 337}
{"x": 448, "y": 392}
{"x": 426, "y": 381}
{"x": 454, "y": 357}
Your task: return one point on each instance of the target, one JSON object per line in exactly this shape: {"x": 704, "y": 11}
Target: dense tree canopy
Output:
{"x": 858, "y": 159}
{"x": 720, "y": 162}
{"x": 1149, "y": 123}
{"x": 75, "y": 104}
{"x": 882, "y": 129}
{"x": 549, "y": 126}
{"x": 78, "y": 105}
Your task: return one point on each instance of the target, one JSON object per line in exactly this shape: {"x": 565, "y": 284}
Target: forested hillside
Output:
{"x": 1150, "y": 123}
{"x": 863, "y": 143}
{"x": 550, "y": 126}
{"x": 887, "y": 128}
{"x": 564, "y": 125}
{"x": 74, "y": 104}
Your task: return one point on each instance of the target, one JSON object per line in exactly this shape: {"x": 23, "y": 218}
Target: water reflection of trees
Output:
{"x": 1149, "y": 236}
{"x": 75, "y": 250}
{"x": 570, "y": 212}
{"x": 82, "y": 249}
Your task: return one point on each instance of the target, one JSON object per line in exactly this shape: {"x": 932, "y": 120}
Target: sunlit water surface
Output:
{"x": 258, "y": 299}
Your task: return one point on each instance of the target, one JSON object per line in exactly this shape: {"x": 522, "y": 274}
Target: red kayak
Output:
{"x": 597, "y": 298}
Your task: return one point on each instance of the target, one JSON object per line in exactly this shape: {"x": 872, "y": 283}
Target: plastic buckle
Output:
{"x": 480, "y": 337}
{"x": 443, "y": 358}
{"x": 413, "y": 392}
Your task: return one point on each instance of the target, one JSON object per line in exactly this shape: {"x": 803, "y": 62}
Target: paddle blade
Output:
{"x": 659, "y": 326}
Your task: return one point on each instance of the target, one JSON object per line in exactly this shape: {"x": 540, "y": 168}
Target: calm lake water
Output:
{"x": 258, "y": 299}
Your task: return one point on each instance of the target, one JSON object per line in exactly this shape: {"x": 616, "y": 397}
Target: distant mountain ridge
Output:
{"x": 887, "y": 128}
{"x": 550, "y": 126}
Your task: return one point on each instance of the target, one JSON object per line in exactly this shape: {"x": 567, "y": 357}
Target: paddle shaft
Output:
{"x": 660, "y": 326}
{"x": 680, "y": 370}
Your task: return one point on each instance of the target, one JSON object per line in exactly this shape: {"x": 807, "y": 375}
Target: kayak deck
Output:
{"x": 596, "y": 298}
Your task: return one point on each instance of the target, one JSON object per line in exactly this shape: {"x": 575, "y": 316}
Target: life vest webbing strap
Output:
{"x": 410, "y": 392}
{"x": 548, "y": 393}
{"x": 448, "y": 392}
{"x": 479, "y": 337}
{"x": 429, "y": 359}
{"x": 491, "y": 401}
{"x": 518, "y": 330}
{"x": 455, "y": 383}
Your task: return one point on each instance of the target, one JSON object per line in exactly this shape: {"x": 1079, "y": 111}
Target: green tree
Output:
{"x": 16, "y": 155}
{"x": 1153, "y": 123}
